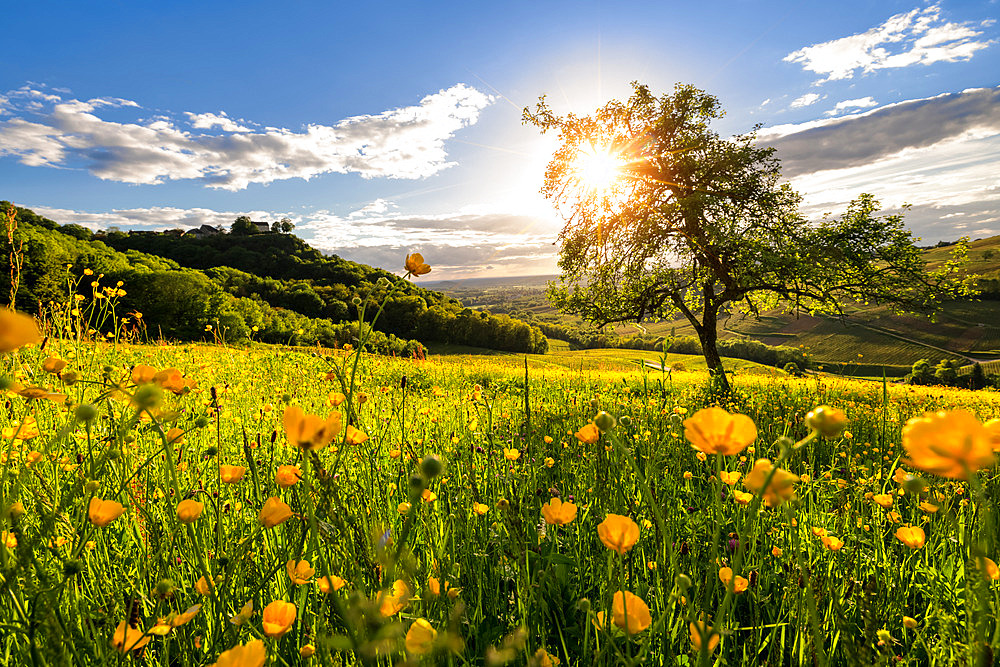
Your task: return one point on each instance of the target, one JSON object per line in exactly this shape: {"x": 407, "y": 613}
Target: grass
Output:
{"x": 458, "y": 566}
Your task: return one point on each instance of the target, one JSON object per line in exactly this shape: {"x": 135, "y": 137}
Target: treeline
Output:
{"x": 270, "y": 287}
{"x": 948, "y": 373}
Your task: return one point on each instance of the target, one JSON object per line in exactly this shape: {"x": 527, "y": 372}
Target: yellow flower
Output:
{"x": 142, "y": 374}
{"x": 829, "y": 422}
{"x": 330, "y": 584}
{"x": 104, "y": 512}
{"x": 989, "y": 568}
{"x": 355, "y": 437}
{"x": 189, "y": 510}
{"x": 204, "y": 586}
{"x": 415, "y": 266}
{"x": 274, "y": 512}
{"x": 428, "y": 496}
{"x": 549, "y": 462}
{"x": 310, "y": 432}
{"x": 629, "y": 612}
{"x": 588, "y": 434}
{"x": 394, "y": 601}
{"x": 558, "y": 513}
{"x": 300, "y": 572}
{"x": 335, "y": 398}
{"x": 948, "y": 444}
{"x": 730, "y": 478}
{"x": 251, "y": 654}
{"x": 182, "y": 618}
{"x": 480, "y": 508}
{"x": 715, "y": 431}
{"x": 776, "y": 552}
{"x": 993, "y": 428}
{"x": 307, "y": 651}
{"x": 278, "y": 618}
{"x": 175, "y": 436}
{"x": 833, "y": 543}
{"x": 742, "y": 497}
{"x": 929, "y": 508}
{"x": 618, "y": 533}
{"x": 231, "y": 474}
{"x": 420, "y": 637}
{"x": 781, "y": 488}
{"x": 403, "y": 508}
{"x": 287, "y": 476}
{"x": 883, "y": 500}
{"x": 543, "y": 658}
{"x": 697, "y": 629}
{"x": 511, "y": 454}
{"x": 17, "y": 330}
{"x": 243, "y": 615}
{"x": 54, "y": 365}
{"x": 911, "y": 536}
{"x": 740, "y": 584}
{"x": 127, "y": 639}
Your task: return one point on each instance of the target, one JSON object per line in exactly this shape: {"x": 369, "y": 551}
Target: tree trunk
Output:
{"x": 708, "y": 334}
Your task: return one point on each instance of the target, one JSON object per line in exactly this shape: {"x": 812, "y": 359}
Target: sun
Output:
{"x": 598, "y": 168}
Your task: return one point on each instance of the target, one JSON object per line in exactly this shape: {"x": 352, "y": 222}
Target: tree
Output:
{"x": 243, "y": 226}
{"x": 287, "y": 225}
{"x": 977, "y": 378}
{"x": 664, "y": 216}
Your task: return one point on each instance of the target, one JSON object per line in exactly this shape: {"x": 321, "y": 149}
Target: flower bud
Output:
{"x": 683, "y": 582}
{"x": 147, "y": 396}
{"x": 85, "y": 412}
{"x": 604, "y": 421}
{"x": 92, "y": 485}
{"x": 828, "y": 422}
{"x": 431, "y": 466}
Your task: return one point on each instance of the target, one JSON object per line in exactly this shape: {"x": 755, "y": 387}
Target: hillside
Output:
{"x": 869, "y": 339}
{"x": 271, "y": 287}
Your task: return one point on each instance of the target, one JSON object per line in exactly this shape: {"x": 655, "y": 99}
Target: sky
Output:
{"x": 382, "y": 129}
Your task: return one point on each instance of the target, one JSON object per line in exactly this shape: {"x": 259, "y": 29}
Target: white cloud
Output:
{"x": 920, "y": 36}
{"x": 407, "y": 142}
{"x": 861, "y": 139}
{"x": 860, "y": 103}
{"x": 938, "y": 154}
{"x": 456, "y": 244}
{"x": 805, "y": 100}
{"x": 378, "y": 206}
{"x": 156, "y": 218}
{"x": 206, "y": 121}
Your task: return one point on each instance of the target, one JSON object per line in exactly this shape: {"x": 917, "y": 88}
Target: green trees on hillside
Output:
{"x": 275, "y": 282}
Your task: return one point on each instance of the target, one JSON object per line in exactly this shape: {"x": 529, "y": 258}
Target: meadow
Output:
{"x": 196, "y": 504}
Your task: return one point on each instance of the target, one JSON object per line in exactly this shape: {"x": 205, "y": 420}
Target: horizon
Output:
{"x": 381, "y": 133}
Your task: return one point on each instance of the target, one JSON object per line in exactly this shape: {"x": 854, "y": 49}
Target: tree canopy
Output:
{"x": 664, "y": 216}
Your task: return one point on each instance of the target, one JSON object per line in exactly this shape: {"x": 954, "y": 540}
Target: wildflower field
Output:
{"x": 200, "y": 504}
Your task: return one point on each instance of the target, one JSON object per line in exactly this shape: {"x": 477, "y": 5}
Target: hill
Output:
{"x": 862, "y": 343}
{"x": 272, "y": 287}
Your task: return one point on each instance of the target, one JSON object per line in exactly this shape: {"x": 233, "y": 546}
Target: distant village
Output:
{"x": 243, "y": 226}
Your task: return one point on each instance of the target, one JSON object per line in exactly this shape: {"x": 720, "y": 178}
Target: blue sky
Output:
{"x": 387, "y": 128}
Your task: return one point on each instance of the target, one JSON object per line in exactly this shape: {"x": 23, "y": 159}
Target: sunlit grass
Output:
{"x": 381, "y": 556}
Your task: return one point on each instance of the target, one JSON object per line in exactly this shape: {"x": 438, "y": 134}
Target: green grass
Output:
{"x": 521, "y": 586}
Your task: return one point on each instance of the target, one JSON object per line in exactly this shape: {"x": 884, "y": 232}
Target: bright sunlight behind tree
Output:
{"x": 664, "y": 216}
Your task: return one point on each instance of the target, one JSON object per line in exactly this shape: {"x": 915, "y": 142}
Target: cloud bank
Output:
{"x": 938, "y": 154}
{"x": 859, "y": 139}
{"x": 918, "y": 37}
{"x": 42, "y": 129}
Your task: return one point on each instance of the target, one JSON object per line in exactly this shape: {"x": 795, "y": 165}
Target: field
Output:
{"x": 171, "y": 505}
